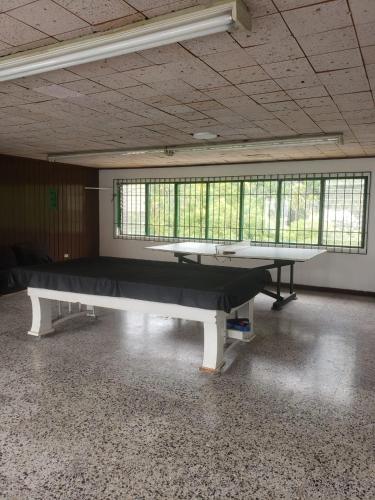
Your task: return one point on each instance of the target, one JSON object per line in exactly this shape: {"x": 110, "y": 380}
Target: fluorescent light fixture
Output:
{"x": 221, "y": 16}
{"x": 205, "y": 136}
{"x": 282, "y": 142}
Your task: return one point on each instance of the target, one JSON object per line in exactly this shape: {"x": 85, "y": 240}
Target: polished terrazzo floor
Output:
{"x": 115, "y": 408}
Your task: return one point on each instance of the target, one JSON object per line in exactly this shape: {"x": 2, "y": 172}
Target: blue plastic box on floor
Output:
{"x": 239, "y": 324}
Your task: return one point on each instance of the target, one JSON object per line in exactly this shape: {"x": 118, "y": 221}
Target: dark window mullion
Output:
{"x": 176, "y": 209}
{"x": 147, "y": 209}
{"x": 241, "y": 210}
{"x": 278, "y": 210}
{"x": 207, "y": 210}
{"x": 321, "y": 210}
{"x": 364, "y": 212}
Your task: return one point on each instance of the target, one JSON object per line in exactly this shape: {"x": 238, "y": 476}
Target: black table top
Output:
{"x": 193, "y": 285}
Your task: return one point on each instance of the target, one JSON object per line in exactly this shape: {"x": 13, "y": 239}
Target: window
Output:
{"x": 326, "y": 210}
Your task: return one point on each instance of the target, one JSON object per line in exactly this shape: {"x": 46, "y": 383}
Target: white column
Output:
{"x": 213, "y": 351}
{"x": 42, "y": 316}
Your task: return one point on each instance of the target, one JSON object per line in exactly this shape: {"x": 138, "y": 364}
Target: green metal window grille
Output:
{"x": 309, "y": 210}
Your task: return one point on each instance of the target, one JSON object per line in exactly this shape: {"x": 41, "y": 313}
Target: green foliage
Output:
{"x": 161, "y": 209}
{"x": 260, "y": 209}
{"x": 299, "y": 215}
{"x": 223, "y": 211}
{"x": 192, "y": 210}
{"x": 327, "y": 211}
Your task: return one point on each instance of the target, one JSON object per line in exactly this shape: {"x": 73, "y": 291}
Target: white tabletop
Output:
{"x": 241, "y": 251}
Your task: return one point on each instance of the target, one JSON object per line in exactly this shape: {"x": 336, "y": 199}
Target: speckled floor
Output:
{"x": 115, "y": 408}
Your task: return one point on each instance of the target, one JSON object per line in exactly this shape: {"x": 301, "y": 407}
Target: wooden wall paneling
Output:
{"x": 26, "y": 213}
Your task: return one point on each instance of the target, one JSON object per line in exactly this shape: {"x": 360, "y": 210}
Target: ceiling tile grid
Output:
{"x": 305, "y": 67}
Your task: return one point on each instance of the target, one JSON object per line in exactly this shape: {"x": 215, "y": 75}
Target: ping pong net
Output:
{"x": 231, "y": 249}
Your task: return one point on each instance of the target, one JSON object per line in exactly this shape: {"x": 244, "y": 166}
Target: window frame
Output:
{"x": 208, "y": 181}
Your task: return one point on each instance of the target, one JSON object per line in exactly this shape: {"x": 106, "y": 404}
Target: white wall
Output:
{"x": 356, "y": 272}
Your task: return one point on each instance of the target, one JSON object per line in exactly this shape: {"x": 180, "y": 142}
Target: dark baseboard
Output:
{"x": 327, "y": 289}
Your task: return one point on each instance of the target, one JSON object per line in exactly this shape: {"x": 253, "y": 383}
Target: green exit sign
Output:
{"x": 53, "y": 199}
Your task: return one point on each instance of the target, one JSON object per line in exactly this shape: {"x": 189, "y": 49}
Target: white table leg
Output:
{"x": 42, "y": 316}
{"x": 213, "y": 351}
{"x": 246, "y": 311}
{"x": 90, "y": 311}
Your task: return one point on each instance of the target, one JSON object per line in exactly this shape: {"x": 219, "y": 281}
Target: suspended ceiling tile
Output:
{"x": 294, "y": 4}
{"x": 48, "y": 17}
{"x": 15, "y": 32}
{"x": 158, "y": 102}
{"x": 345, "y": 81}
{"x": 127, "y": 62}
{"x": 261, "y": 87}
{"x": 170, "y": 6}
{"x": 4, "y": 47}
{"x": 223, "y": 92}
{"x": 206, "y": 105}
{"x": 370, "y": 68}
{"x": 282, "y": 106}
{"x": 165, "y": 54}
{"x": 93, "y": 69}
{"x": 336, "y": 60}
{"x": 140, "y": 92}
{"x": 323, "y": 113}
{"x": 330, "y": 41}
{"x": 234, "y": 59}
{"x": 318, "y": 18}
{"x": 202, "y": 77}
{"x": 260, "y": 8}
{"x": 368, "y": 54}
{"x": 30, "y": 96}
{"x": 31, "y": 82}
{"x": 276, "y": 51}
{"x": 263, "y": 30}
{"x": 365, "y": 132}
{"x": 6, "y": 5}
{"x": 366, "y": 34}
{"x": 271, "y": 97}
{"x": 57, "y": 91}
{"x": 76, "y": 33}
{"x": 285, "y": 69}
{"x": 97, "y": 11}
{"x": 363, "y": 11}
{"x": 211, "y": 44}
{"x": 60, "y": 76}
{"x": 85, "y": 87}
{"x": 147, "y": 4}
{"x": 84, "y": 113}
{"x": 308, "y": 92}
{"x": 354, "y": 102}
{"x": 275, "y": 127}
{"x": 298, "y": 82}
{"x": 157, "y": 73}
{"x": 359, "y": 117}
{"x": 186, "y": 97}
{"x": 116, "y": 80}
{"x": 176, "y": 86}
{"x": 315, "y": 102}
{"x": 245, "y": 75}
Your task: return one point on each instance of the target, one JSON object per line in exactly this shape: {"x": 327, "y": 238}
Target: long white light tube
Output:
{"x": 222, "y": 16}
{"x": 302, "y": 141}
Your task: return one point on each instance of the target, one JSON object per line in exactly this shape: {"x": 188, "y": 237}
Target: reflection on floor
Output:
{"x": 116, "y": 407}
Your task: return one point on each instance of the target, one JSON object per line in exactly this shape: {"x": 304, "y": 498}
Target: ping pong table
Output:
{"x": 281, "y": 257}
